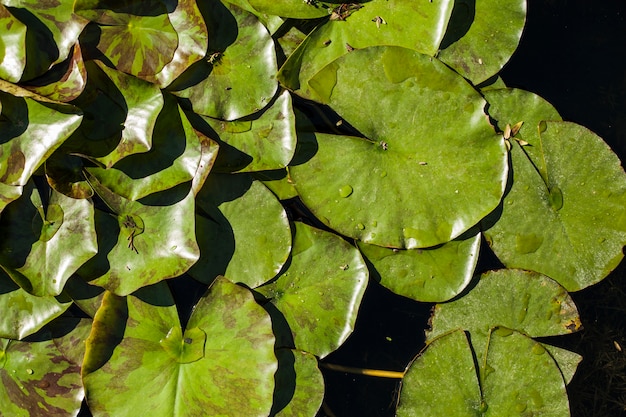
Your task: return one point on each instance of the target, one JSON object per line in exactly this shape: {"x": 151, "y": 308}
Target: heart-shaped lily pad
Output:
{"x": 319, "y": 301}
{"x": 428, "y": 170}
{"x": 224, "y": 361}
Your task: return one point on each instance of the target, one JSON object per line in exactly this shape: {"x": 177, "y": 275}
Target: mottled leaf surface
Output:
{"x": 319, "y": 300}
{"x": 30, "y": 131}
{"x": 38, "y": 380}
{"x": 237, "y": 77}
{"x": 299, "y": 384}
{"x": 12, "y": 46}
{"x": 437, "y": 159}
{"x": 292, "y": 9}
{"x": 243, "y": 231}
{"x": 430, "y": 274}
{"x": 235, "y": 370}
{"x": 121, "y": 112}
{"x": 141, "y": 244}
{"x": 263, "y": 143}
{"x": 174, "y": 158}
{"x": 43, "y": 245}
{"x": 525, "y": 301}
{"x": 22, "y": 313}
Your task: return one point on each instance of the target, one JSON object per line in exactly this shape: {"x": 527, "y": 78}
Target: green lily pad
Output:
{"x": 525, "y": 301}
{"x": 140, "y": 45}
{"x": 299, "y": 384}
{"x": 278, "y": 182}
{"x": 319, "y": 301}
{"x": 418, "y": 25}
{"x": 431, "y": 274}
{"x": 38, "y": 379}
{"x": 30, "y": 131}
{"x": 442, "y": 381}
{"x": 45, "y": 245}
{"x": 173, "y": 159}
{"x": 24, "y": 313}
{"x": 64, "y": 82}
{"x": 429, "y": 170}
{"x": 192, "y": 33}
{"x": 266, "y": 142}
{"x": 517, "y": 377}
{"x": 12, "y": 45}
{"x": 482, "y": 36}
{"x": 244, "y": 234}
{"x": 209, "y": 149}
{"x": 237, "y": 77}
{"x": 566, "y": 360}
{"x": 235, "y": 372}
{"x": 121, "y": 112}
{"x": 564, "y": 214}
{"x": 141, "y": 244}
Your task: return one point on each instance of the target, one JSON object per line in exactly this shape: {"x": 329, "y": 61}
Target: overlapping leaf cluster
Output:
{"x": 142, "y": 143}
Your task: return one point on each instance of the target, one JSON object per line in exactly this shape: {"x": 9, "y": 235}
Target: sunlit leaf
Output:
{"x": 120, "y": 115}
{"x": 174, "y": 158}
{"x": 23, "y": 313}
{"x": 264, "y": 143}
{"x": 140, "y": 45}
{"x": 428, "y": 170}
{"x": 237, "y": 77}
{"x": 319, "y": 300}
{"x": 140, "y": 243}
{"x": 431, "y": 274}
{"x": 564, "y": 214}
{"x": 235, "y": 370}
{"x": 38, "y": 379}
{"x": 43, "y": 245}
{"x": 521, "y": 300}
{"x": 482, "y": 36}
{"x": 299, "y": 384}
{"x": 417, "y": 24}
{"x": 30, "y": 131}
{"x": 12, "y": 46}
{"x": 243, "y": 231}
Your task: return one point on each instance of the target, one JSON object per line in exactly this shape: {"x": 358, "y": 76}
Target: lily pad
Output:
{"x": 310, "y": 9}
{"x": 299, "y": 384}
{"x": 192, "y": 33}
{"x": 262, "y": 143}
{"x": 525, "y": 301}
{"x": 482, "y": 36}
{"x": 30, "y": 131}
{"x": 140, "y": 45}
{"x": 244, "y": 233}
{"x": 173, "y": 159}
{"x": 431, "y": 274}
{"x": 12, "y": 45}
{"x": 517, "y": 377}
{"x": 572, "y": 186}
{"x": 24, "y": 313}
{"x": 141, "y": 244}
{"x": 235, "y": 370}
{"x": 319, "y": 301}
{"x": 426, "y": 172}
{"x": 38, "y": 379}
{"x": 121, "y": 112}
{"x": 419, "y": 25}
{"x": 44, "y": 245}
{"x": 442, "y": 381}
{"x": 64, "y": 82}
{"x": 236, "y": 78}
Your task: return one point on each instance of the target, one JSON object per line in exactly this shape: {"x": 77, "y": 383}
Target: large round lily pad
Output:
{"x": 428, "y": 169}
{"x": 564, "y": 214}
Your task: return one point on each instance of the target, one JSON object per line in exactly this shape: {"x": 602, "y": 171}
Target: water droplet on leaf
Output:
{"x": 345, "y": 191}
